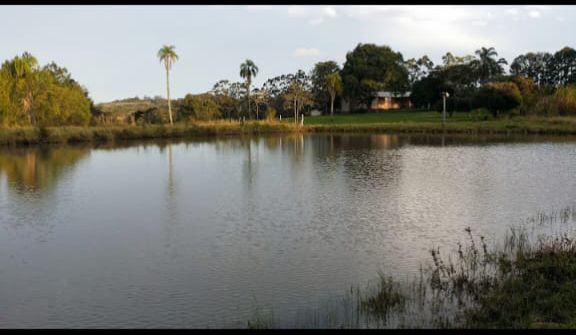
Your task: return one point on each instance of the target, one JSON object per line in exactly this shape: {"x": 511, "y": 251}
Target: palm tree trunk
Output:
{"x": 168, "y": 95}
{"x": 332, "y": 106}
{"x": 248, "y": 93}
{"x": 295, "y": 111}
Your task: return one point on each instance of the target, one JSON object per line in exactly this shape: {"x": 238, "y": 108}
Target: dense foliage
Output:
{"x": 31, "y": 95}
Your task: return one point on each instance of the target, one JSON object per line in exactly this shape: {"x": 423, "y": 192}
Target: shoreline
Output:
{"x": 69, "y": 135}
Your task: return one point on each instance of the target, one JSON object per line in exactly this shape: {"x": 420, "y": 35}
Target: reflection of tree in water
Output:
{"x": 32, "y": 176}
{"x": 293, "y": 145}
{"x": 370, "y": 162}
{"x": 39, "y": 169}
{"x": 250, "y": 164}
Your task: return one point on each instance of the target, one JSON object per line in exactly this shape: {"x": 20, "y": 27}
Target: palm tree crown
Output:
{"x": 486, "y": 65}
{"x": 168, "y": 56}
{"x": 248, "y": 70}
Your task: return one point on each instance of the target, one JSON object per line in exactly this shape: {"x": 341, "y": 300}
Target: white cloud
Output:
{"x": 424, "y": 27}
{"x": 534, "y": 14}
{"x": 298, "y": 11}
{"x": 513, "y": 11}
{"x": 329, "y": 11}
{"x": 314, "y": 14}
{"x": 306, "y": 52}
{"x": 258, "y": 8}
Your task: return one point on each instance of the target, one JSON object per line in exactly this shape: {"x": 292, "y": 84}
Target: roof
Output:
{"x": 389, "y": 94}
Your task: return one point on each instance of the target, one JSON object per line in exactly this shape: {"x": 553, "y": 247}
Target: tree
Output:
{"x": 418, "y": 68}
{"x": 498, "y": 97}
{"x": 201, "y": 106}
{"x": 228, "y": 95}
{"x": 486, "y": 65}
{"x": 168, "y": 56}
{"x": 25, "y": 77}
{"x": 36, "y": 96}
{"x": 563, "y": 67}
{"x": 297, "y": 97}
{"x": 260, "y": 97}
{"x": 449, "y": 60}
{"x": 248, "y": 70}
{"x": 534, "y": 66}
{"x": 279, "y": 86}
{"x": 334, "y": 87}
{"x": 427, "y": 91}
{"x": 369, "y": 65}
{"x": 318, "y": 77}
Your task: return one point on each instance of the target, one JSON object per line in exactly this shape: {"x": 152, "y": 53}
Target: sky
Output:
{"x": 111, "y": 50}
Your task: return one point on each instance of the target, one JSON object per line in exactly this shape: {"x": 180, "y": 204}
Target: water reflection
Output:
{"x": 147, "y": 231}
{"x": 38, "y": 170}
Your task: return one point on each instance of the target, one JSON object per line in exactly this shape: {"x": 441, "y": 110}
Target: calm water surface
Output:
{"x": 202, "y": 233}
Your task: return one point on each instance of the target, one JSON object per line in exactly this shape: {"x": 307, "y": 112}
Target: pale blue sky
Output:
{"x": 112, "y": 49}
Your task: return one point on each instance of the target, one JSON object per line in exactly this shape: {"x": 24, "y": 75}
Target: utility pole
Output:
{"x": 444, "y": 96}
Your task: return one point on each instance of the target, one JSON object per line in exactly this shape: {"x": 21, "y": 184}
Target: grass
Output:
{"x": 526, "y": 281}
{"x": 65, "y": 135}
{"x": 397, "y": 121}
{"x": 393, "y": 116}
{"x": 415, "y": 121}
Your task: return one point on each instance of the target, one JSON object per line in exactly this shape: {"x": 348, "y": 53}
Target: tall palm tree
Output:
{"x": 334, "y": 86}
{"x": 486, "y": 64}
{"x": 168, "y": 56}
{"x": 248, "y": 70}
{"x": 24, "y": 71}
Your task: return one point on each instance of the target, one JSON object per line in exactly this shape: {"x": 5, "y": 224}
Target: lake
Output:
{"x": 202, "y": 233}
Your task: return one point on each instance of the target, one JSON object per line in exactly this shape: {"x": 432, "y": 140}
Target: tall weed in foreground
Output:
{"x": 526, "y": 281}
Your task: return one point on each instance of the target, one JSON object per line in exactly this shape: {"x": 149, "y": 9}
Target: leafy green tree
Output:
{"x": 168, "y": 56}
{"x": 334, "y": 87}
{"x": 248, "y": 70}
{"x": 318, "y": 77}
{"x": 31, "y": 95}
{"x": 201, "y": 107}
{"x": 369, "y": 66}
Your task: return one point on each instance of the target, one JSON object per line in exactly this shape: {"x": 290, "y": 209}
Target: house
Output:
{"x": 383, "y": 100}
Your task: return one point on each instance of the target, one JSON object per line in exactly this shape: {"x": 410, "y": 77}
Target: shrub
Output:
{"x": 201, "y": 107}
{"x": 498, "y": 97}
{"x": 545, "y": 106}
{"x": 270, "y": 113}
{"x": 480, "y": 114}
{"x": 565, "y": 99}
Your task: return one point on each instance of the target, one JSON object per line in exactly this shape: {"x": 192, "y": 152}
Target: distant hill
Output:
{"x": 130, "y": 105}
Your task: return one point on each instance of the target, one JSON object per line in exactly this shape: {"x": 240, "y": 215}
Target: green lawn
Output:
{"x": 393, "y": 116}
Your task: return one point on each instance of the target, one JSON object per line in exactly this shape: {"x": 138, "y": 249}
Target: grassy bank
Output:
{"x": 525, "y": 281}
{"x": 430, "y": 122}
{"x": 110, "y": 134}
{"x": 422, "y": 122}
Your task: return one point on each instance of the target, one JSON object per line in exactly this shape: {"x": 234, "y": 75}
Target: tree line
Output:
{"x": 537, "y": 83}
